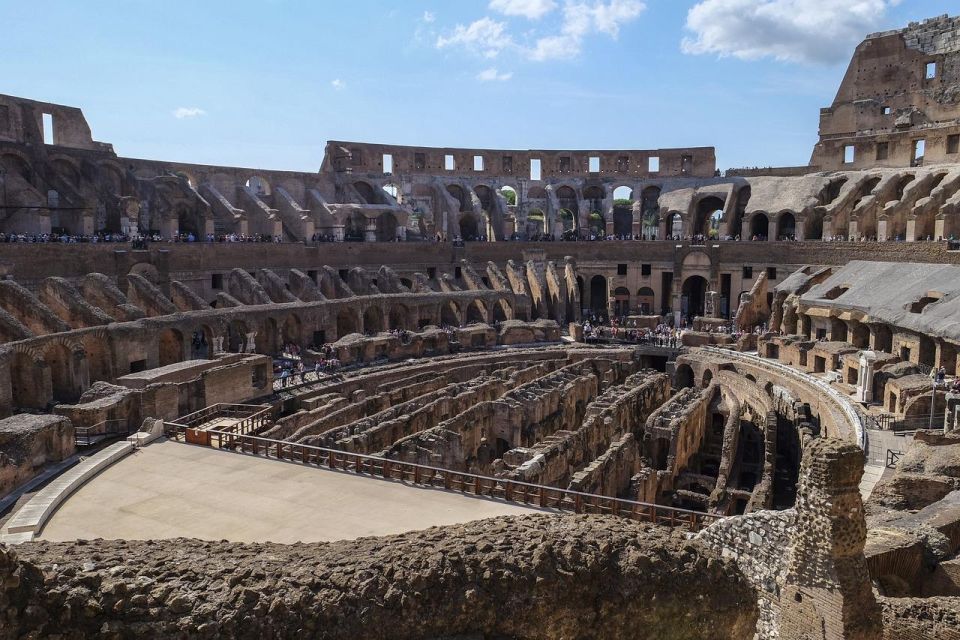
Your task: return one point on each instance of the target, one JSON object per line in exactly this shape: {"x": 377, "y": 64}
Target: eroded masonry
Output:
{"x": 493, "y": 393}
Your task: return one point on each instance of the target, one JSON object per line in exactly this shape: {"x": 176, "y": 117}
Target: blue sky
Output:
{"x": 265, "y": 84}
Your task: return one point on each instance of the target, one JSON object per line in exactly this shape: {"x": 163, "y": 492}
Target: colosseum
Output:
{"x": 448, "y": 393}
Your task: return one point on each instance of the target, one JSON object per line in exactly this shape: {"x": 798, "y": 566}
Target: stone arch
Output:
{"x": 683, "y": 377}
{"x": 387, "y": 227}
{"x": 96, "y": 346}
{"x": 27, "y": 381}
{"x": 201, "y": 342}
{"x": 59, "y": 358}
{"x": 469, "y": 227}
{"x": 706, "y": 219}
{"x": 735, "y": 228}
{"x": 693, "y": 295}
{"x": 673, "y": 225}
{"x": 398, "y": 317}
{"x": 461, "y": 197}
{"x": 759, "y": 226}
{"x": 372, "y": 319}
{"x": 502, "y": 311}
{"x": 292, "y": 330}
{"x": 476, "y": 312}
{"x": 645, "y": 301}
{"x": 786, "y": 226}
{"x": 346, "y": 322}
{"x": 237, "y": 331}
{"x": 449, "y": 314}
{"x": 598, "y": 294}
{"x": 170, "y": 347}
{"x": 354, "y": 227}
{"x": 259, "y": 185}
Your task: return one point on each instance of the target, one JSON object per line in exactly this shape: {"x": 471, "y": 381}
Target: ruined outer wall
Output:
{"x": 888, "y": 71}
{"x": 544, "y": 576}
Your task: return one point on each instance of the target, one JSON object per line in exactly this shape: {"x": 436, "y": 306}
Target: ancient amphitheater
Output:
{"x": 470, "y": 393}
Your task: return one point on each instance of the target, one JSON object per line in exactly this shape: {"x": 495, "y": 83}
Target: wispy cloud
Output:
{"x": 531, "y": 9}
{"x": 818, "y": 31}
{"x": 492, "y": 75}
{"x": 338, "y": 84}
{"x": 580, "y": 19}
{"x": 188, "y": 112}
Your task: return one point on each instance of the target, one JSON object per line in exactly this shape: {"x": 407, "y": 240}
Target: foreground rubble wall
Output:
{"x": 540, "y": 576}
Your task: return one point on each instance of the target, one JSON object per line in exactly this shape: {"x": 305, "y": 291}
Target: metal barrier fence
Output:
{"x": 534, "y": 495}
{"x": 87, "y": 436}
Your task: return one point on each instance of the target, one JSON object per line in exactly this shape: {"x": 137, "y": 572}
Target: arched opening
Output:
{"x": 759, "y": 226}
{"x": 354, "y": 227}
{"x": 26, "y": 379}
{"x": 709, "y": 215}
{"x": 397, "y": 317}
{"x": 502, "y": 311}
{"x": 170, "y": 347}
{"x": 650, "y": 212}
{"x": 509, "y": 194}
{"x": 387, "y": 227}
{"x": 259, "y": 185}
{"x": 201, "y": 343}
{"x": 476, "y": 313}
{"x": 621, "y": 301}
{"x": 693, "y": 296}
{"x": 469, "y": 227}
{"x": 346, "y": 323}
{"x": 237, "y": 336}
{"x": 598, "y": 295}
{"x": 623, "y": 212}
{"x": 60, "y": 361}
{"x": 736, "y": 225}
{"x": 372, "y": 320}
{"x": 597, "y": 224}
{"x": 675, "y": 226}
{"x": 683, "y": 377}
{"x": 786, "y": 226}
{"x": 460, "y": 195}
{"x": 99, "y": 363}
{"x": 393, "y": 191}
{"x": 449, "y": 315}
{"x": 645, "y": 301}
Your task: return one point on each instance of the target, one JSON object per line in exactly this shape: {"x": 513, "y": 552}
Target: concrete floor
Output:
{"x": 170, "y": 489}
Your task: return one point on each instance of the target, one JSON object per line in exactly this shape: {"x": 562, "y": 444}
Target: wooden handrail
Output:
{"x": 513, "y": 491}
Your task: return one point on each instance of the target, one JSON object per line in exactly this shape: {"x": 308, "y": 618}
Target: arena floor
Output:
{"x": 169, "y": 490}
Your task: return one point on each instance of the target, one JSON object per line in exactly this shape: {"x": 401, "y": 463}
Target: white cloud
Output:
{"x": 485, "y": 37}
{"x": 188, "y": 112}
{"x": 821, "y": 31}
{"x": 492, "y": 75}
{"x": 428, "y": 16}
{"x": 582, "y": 19}
{"x": 531, "y": 9}
{"x": 338, "y": 84}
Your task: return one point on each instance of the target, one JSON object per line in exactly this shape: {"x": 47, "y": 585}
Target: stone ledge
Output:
{"x": 29, "y": 520}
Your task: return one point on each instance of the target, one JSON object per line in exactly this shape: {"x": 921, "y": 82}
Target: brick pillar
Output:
{"x": 827, "y": 593}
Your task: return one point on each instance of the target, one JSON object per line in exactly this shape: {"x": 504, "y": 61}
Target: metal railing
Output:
{"x": 524, "y": 493}
{"x": 88, "y": 436}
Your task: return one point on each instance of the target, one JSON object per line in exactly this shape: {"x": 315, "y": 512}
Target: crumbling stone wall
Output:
{"x": 535, "y": 577}
{"x": 30, "y": 442}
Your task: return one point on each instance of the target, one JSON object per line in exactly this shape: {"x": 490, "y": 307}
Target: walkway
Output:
{"x": 169, "y": 490}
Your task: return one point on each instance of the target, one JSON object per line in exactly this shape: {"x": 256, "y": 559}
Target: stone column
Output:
{"x": 865, "y": 376}
{"x": 827, "y": 593}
